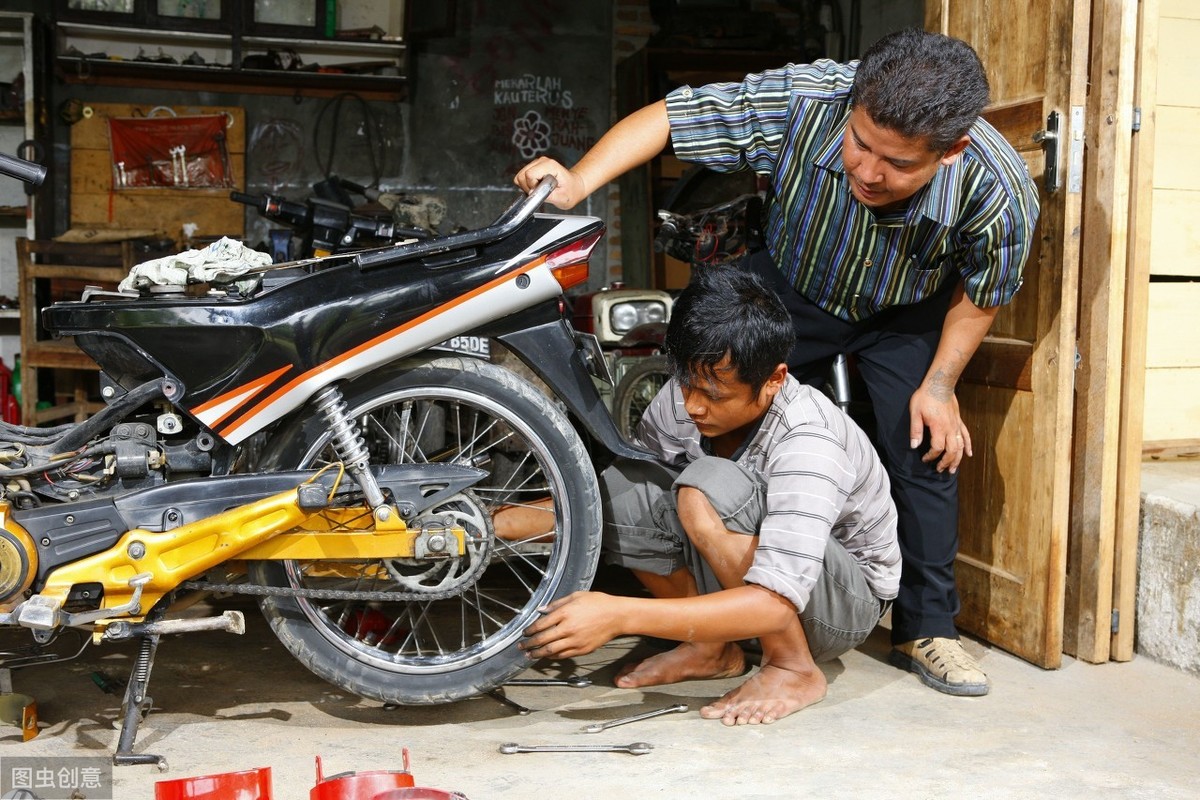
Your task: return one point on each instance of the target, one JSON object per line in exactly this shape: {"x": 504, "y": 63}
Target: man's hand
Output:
{"x": 571, "y": 188}
{"x": 934, "y": 406}
{"x": 574, "y": 625}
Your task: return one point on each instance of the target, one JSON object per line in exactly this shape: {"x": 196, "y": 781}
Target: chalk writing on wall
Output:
{"x": 537, "y": 89}
{"x": 555, "y": 124}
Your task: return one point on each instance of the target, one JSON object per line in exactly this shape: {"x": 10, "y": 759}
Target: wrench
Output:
{"x": 499, "y": 696}
{"x": 596, "y": 727}
{"x": 636, "y": 748}
{"x": 576, "y": 681}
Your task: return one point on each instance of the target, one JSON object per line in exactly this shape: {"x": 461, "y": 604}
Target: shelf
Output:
{"x": 100, "y": 54}
{"x": 13, "y": 215}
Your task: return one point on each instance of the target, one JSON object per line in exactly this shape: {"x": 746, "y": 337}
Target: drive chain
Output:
{"x": 317, "y": 594}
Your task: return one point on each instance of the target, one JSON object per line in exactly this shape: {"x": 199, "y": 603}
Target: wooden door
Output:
{"x": 1016, "y": 395}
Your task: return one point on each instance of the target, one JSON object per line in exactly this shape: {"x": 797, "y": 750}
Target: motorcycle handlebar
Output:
{"x": 507, "y": 223}
{"x": 22, "y": 170}
{"x": 245, "y": 199}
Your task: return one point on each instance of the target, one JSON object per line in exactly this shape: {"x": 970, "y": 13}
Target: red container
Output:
{"x": 360, "y": 785}
{"x": 250, "y": 784}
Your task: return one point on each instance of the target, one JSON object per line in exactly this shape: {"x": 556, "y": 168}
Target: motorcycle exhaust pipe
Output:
{"x": 230, "y": 622}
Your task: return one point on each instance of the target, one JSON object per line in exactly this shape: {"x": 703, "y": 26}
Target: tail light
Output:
{"x": 569, "y": 264}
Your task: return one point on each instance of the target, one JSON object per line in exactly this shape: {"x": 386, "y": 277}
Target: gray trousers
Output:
{"x": 642, "y": 532}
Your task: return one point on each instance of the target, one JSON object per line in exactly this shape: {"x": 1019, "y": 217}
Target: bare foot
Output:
{"x": 688, "y": 661}
{"x": 769, "y": 695}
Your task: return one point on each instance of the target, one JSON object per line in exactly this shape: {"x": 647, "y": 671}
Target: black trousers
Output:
{"x": 893, "y": 351}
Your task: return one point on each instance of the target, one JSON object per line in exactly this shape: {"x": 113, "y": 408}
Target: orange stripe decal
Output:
{"x": 249, "y": 390}
{"x": 383, "y": 337}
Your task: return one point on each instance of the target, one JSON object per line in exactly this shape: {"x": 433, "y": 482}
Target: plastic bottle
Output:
{"x": 5, "y": 387}
{"x": 16, "y": 380}
{"x": 330, "y": 19}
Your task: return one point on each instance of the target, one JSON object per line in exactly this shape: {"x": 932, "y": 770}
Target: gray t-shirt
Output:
{"x": 822, "y": 476}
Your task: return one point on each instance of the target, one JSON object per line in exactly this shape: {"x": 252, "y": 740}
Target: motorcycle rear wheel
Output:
{"x": 421, "y": 652}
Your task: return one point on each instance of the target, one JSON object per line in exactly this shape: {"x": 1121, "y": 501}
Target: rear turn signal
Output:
{"x": 569, "y": 264}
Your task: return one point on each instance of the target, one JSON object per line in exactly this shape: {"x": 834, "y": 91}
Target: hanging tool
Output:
{"x": 596, "y": 727}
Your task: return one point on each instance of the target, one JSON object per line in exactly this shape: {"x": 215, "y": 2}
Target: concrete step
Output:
{"x": 1168, "y": 593}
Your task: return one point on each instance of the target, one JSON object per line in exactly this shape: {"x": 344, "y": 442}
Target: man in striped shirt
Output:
{"x": 897, "y": 223}
{"x": 768, "y": 514}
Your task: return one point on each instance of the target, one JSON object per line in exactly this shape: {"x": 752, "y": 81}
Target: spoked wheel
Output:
{"x": 636, "y": 389}
{"x": 453, "y": 630}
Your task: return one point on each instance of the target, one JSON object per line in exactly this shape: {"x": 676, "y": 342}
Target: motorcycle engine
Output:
{"x": 18, "y": 564}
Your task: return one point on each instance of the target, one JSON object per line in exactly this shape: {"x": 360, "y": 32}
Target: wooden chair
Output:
{"x": 40, "y": 263}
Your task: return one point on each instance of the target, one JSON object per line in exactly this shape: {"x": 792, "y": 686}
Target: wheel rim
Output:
{"x": 639, "y": 397}
{"x": 496, "y": 600}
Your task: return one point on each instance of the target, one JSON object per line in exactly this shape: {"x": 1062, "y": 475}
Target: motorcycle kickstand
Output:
{"x": 137, "y": 706}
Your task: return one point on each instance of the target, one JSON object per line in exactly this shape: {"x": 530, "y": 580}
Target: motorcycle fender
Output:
{"x": 554, "y": 351}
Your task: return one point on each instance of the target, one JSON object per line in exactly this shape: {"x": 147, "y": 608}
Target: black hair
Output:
{"x": 921, "y": 85}
{"x": 726, "y": 311}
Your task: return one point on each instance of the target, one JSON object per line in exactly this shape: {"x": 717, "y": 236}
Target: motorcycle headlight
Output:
{"x": 624, "y": 317}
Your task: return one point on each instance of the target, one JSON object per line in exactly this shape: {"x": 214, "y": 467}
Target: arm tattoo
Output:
{"x": 941, "y": 386}
{"x": 941, "y": 381}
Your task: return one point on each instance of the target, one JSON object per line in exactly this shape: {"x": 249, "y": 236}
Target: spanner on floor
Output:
{"x": 575, "y": 681}
{"x": 596, "y": 727}
{"x": 499, "y": 696}
{"x": 636, "y": 748}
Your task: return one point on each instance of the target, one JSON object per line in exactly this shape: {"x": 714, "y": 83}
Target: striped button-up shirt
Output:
{"x": 823, "y": 479}
{"x": 974, "y": 220}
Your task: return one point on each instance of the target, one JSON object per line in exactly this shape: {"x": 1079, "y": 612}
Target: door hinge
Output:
{"x": 1137, "y": 118}
{"x": 1116, "y": 620}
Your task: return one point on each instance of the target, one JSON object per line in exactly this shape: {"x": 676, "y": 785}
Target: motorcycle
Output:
{"x": 326, "y": 222}
{"x": 630, "y": 325}
{"x": 400, "y": 514}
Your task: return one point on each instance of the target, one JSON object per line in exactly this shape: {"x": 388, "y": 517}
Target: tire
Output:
{"x": 635, "y": 391}
{"x": 422, "y": 652}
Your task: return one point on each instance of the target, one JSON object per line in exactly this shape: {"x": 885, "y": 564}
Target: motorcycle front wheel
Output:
{"x": 455, "y": 632}
{"x": 635, "y": 390}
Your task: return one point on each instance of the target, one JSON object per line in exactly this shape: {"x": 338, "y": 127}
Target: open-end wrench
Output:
{"x": 596, "y": 727}
{"x": 577, "y": 681}
{"x": 499, "y": 696}
{"x": 636, "y": 748}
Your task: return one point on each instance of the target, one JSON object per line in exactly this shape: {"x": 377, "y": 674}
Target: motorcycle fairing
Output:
{"x": 246, "y": 362}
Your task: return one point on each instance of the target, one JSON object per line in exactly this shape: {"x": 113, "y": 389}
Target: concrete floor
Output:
{"x": 225, "y": 703}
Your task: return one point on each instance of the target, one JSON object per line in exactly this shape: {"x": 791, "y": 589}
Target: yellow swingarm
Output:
{"x": 275, "y": 527}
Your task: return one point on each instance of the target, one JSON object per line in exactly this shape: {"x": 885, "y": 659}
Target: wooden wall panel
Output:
{"x": 999, "y": 492}
{"x": 1008, "y": 27}
{"x": 1173, "y": 380}
{"x": 1171, "y": 329}
{"x": 95, "y": 204}
{"x": 1176, "y": 159}
{"x": 1018, "y": 122}
{"x": 1177, "y": 84}
{"x": 1175, "y": 246}
{"x": 1172, "y": 404}
{"x": 1183, "y": 9}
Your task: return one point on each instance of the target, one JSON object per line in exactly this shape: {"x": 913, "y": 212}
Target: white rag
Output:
{"x": 223, "y": 261}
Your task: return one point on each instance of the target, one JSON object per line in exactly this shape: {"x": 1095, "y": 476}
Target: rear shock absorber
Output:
{"x": 350, "y": 447}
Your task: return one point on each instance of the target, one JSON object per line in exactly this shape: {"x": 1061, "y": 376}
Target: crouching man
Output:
{"x": 769, "y": 517}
